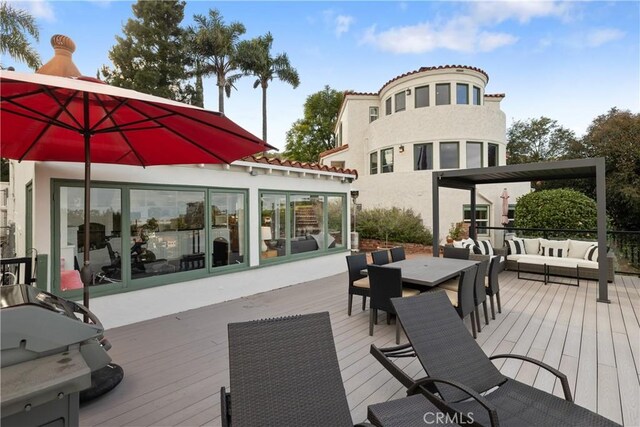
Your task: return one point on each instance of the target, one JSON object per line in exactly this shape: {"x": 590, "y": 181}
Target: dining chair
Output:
{"x": 380, "y": 257}
{"x": 492, "y": 285}
{"x": 397, "y": 254}
{"x": 457, "y": 253}
{"x": 460, "y": 292}
{"x": 358, "y": 282}
{"x": 386, "y": 283}
{"x": 480, "y": 294}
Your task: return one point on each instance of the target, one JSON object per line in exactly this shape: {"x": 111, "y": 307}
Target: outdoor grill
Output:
{"x": 48, "y": 356}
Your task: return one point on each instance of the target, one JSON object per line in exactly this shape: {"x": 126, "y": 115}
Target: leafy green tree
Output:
{"x": 559, "y": 208}
{"x": 616, "y": 137}
{"x": 537, "y": 140}
{"x": 254, "y": 58}
{"x": 16, "y": 26}
{"x": 216, "y": 43}
{"x": 313, "y": 134}
{"x": 153, "y": 54}
{"x": 393, "y": 225}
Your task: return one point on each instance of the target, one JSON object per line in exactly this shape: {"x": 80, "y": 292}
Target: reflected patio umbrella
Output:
{"x": 504, "y": 220}
{"x": 81, "y": 119}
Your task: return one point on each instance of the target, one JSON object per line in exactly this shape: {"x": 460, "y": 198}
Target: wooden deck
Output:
{"x": 175, "y": 365}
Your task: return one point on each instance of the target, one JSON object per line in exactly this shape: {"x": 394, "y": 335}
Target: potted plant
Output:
{"x": 455, "y": 231}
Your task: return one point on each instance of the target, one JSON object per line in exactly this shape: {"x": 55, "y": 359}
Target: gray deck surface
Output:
{"x": 175, "y": 365}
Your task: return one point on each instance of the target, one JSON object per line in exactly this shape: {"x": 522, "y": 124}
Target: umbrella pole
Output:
{"x": 85, "y": 273}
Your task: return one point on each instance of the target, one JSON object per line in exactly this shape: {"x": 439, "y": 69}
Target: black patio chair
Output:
{"x": 397, "y": 254}
{"x": 457, "y": 253}
{"x": 284, "y": 372}
{"x": 459, "y": 372}
{"x": 386, "y": 283}
{"x": 380, "y": 257}
{"x": 480, "y": 294}
{"x": 358, "y": 282}
{"x": 460, "y": 291}
{"x": 492, "y": 284}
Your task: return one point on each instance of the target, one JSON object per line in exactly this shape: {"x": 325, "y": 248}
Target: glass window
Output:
{"x": 449, "y": 155}
{"x": 337, "y": 164}
{"x": 373, "y": 163}
{"x": 387, "y": 105}
{"x": 462, "y": 93}
{"x": 511, "y": 215}
{"x": 482, "y": 218}
{"x": 443, "y": 94}
{"x": 273, "y": 230}
{"x": 422, "y": 157}
{"x": 166, "y": 232}
{"x": 474, "y": 154}
{"x": 493, "y": 154}
{"x": 228, "y": 228}
{"x": 335, "y": 215}
{"x": 306, "y": 220}
{"x": 373, "y": 114}
{"x": 422, "y": 96}
{"x": 105, "y": 236}
{"x": 387, "y": 160}
{"x": 401, "y": 99}
{"x": 339, "y": 136}
{"x": 476, "y": 96}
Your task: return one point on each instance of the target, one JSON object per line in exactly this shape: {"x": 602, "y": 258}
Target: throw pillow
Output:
{"x": 592, "y": 253}
{"x": 469, "y": 244}
{"x": 485, "y": 247}
{"x": 554, "y": 248}
{"x": 516, "y": 246}
{"x": 531, "y": 246}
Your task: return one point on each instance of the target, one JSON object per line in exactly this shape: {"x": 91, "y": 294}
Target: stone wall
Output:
{"x": 369, "y": 245}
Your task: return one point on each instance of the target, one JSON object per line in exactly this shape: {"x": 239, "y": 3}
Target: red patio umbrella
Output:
{"x": 80, "y": 119}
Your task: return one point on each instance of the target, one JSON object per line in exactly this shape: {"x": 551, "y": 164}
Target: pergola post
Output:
{"x": 436, "y": 214}
{"x": 601, "y": 199}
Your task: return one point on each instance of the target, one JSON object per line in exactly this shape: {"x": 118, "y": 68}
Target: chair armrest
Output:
{"x": 225, "y": 407}
{"x": 417, "y": 387}
{"x": 500, "y": 251}
{"x": 562, "y": 377}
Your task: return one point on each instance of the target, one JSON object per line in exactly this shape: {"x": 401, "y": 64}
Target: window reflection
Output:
{"x": 166, "y": 232}
{"x": 228, "y": 228}
{"x": 273, "y": 237}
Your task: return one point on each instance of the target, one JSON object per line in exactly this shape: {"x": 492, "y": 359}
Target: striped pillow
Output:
{"x": 516, "y": 247}
{"x": 485, "y": 247}
{"x": 592, "y": 253}
{"x": 553, "y": 252}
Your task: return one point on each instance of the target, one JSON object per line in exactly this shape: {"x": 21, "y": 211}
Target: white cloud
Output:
{"x": 342, "y": 23}
{"x": 602, "y": 36}
{"x": 459, "y": 34}
{"x": 521, "y": 10}
{"x": 40, "y": 9}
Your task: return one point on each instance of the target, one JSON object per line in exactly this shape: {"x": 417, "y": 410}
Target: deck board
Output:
{"x": 175, "y": 365}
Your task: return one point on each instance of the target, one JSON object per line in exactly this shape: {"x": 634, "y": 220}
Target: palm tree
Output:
{"x": 254, "y": 58}
{"x": 15, "y": 24}
{"x": 216, "y": 44}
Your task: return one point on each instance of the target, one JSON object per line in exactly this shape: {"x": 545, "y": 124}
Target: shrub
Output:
{"x": 558, "y": 209}
{"x": 393, "y": 225}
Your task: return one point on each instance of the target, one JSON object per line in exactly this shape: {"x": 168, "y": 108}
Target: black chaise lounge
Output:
{"x": 285, "y": 372}
{"x": 458, "y": 372}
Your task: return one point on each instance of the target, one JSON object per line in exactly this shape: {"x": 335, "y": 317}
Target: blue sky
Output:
{"x": 570, "y": 61}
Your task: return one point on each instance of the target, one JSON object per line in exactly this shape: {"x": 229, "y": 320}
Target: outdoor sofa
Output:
{"x": 576, "y": 257}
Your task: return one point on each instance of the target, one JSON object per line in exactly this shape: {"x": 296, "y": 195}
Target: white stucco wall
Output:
{"x": 128, "y": 307}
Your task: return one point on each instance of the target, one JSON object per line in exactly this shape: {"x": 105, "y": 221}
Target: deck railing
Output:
{"x": 625, "y": 244}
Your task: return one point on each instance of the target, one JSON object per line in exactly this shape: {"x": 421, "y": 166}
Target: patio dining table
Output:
{"x": 430, "y": 271}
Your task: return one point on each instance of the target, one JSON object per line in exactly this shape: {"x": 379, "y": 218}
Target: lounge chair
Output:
{"x": 284, "y": 372}
{"x": 459, "y": 372}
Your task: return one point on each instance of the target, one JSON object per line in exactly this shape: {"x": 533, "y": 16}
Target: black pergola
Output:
{"x": 468, "y": 179}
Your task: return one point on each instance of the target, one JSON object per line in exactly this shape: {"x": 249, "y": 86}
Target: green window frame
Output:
{"x": 121, "y": 224}
{"x": 482, "y": 217}
{"x": 301, "y": 224}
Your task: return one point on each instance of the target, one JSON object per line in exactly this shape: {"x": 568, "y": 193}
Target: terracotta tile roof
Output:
{"x": 495, "y": 95}
{"x": 352, "y": 92}
{"x": 299, "y": 165}
{"x": 334, "y": 150}
{"x": 440, "y": 67}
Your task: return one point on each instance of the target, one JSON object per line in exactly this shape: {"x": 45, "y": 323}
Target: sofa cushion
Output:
{"x": 485, "y": 247}
{"x": 516, "y": 246}
{"x": 554, "y": 248}
{"x": 587, "y": 264}
{"x": 578, "y": 248}
{"x": 532, "y": 246}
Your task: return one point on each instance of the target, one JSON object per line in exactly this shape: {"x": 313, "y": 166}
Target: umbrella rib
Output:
{"x": 109, "y": 114}
{"x": 184, "y": 137}
{"x": 44, "y": 119}
{"x": 64, "y": 106}
{"x": 118, "y": 127}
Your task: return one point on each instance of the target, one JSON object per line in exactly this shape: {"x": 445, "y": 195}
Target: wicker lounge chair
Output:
{"x": 458, "y": 370}
{"x": 284, "y": 372}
